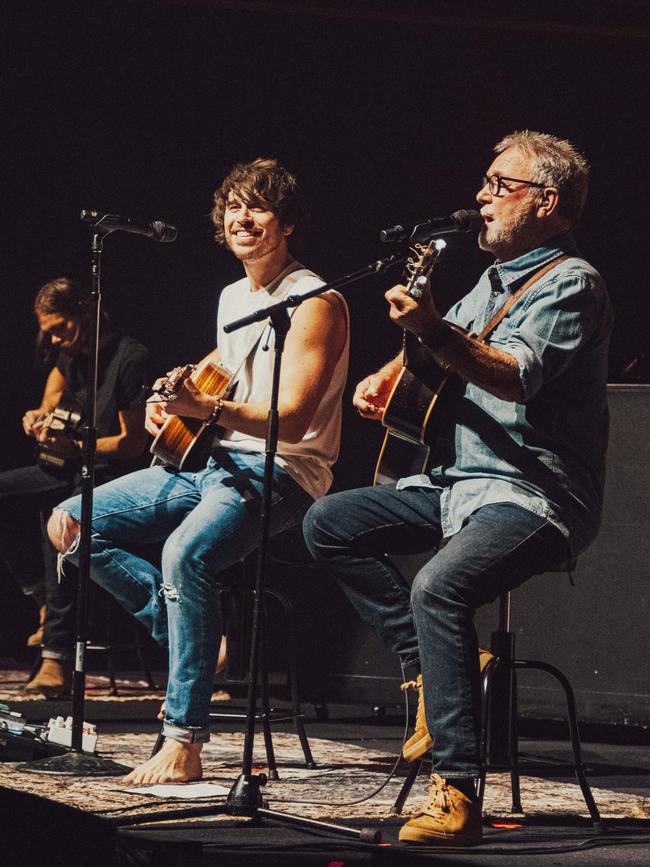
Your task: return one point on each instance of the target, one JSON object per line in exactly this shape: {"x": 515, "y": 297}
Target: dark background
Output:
{"x": 387, "y": 112}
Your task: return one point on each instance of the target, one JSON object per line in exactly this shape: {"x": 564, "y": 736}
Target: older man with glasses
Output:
{"x": 517, "y": 469}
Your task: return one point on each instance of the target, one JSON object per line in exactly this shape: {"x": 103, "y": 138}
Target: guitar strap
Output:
{"x": 492, "y": 324}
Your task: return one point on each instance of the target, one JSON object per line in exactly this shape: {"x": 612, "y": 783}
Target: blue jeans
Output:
{"x": 208, "y": 521}
{"x": 501, "y": 545}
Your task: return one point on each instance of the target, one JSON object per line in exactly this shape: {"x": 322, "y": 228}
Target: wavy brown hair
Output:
{"x": 66, "y": 298}
{"x": 262, "y": 183}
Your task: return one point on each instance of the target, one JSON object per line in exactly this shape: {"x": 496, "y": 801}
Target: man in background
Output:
{"x": 27, "y": 494}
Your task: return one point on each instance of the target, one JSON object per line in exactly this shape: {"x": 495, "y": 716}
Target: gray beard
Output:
{"x": 506, "y": 237}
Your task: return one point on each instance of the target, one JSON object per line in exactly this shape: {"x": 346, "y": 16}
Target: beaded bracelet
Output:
{"x": 213, "y": 418}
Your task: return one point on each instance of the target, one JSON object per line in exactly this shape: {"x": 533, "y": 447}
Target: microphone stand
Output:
{"x": 76, "y": 762}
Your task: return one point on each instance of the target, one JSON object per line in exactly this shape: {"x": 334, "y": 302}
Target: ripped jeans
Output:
{"x": 208, "y": 521}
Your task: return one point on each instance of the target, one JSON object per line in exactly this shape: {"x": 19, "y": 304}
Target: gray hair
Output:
{"x": 555, "y": 163}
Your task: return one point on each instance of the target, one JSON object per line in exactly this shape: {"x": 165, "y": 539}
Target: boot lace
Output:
{"x": 439, "y": 797}
{"x": 420, "y": 718}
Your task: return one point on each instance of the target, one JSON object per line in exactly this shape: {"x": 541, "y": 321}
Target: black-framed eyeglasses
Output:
{"x": 495, "y": 183}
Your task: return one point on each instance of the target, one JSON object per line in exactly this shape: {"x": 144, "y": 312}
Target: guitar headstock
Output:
{"x": 174, "y": 382}
{"x": 420, "y": 263}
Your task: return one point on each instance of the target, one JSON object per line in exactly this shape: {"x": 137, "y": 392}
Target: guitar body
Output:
{"x": 400, "y": 458}
{"x": 410, "y": 433}
{"x": 178, "y": 436}
{"x": 67, "y": 424}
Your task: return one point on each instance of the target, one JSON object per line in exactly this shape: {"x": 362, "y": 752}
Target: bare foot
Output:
{"x": 174, "y": 763}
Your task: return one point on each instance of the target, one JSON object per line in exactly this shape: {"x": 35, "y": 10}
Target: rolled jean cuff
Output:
{"x": 55, "y": 654}
{"x": 186, "y": 735}
{"x": 458, "y": 775}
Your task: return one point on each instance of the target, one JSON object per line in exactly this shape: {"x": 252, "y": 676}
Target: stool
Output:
{"x": 238, "y": 598}
{"x": 499, "y": 734}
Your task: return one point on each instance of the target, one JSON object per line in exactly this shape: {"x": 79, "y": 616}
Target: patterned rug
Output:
{"x": 129, "y": 688}
{"x": 345, "y": 775}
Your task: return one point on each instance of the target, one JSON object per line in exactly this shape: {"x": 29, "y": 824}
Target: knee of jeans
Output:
{"x": 174, "y": 560}
{"x": 313, "y": 526}
{"x": 63, "y": 531}
{"x": 439, "y": 591}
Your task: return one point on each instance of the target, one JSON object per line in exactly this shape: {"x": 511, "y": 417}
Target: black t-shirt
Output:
{"x": 123, "y": 376}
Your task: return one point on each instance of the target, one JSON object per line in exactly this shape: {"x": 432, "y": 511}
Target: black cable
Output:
{"x": 201, "y": 811}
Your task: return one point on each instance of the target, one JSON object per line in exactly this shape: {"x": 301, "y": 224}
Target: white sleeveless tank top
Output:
{"x": 309, "y": 461}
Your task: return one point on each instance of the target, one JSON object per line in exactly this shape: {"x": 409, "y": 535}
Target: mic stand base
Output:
{"x": 75, "y": 764}
{"x": 245, "y": 800}
{"x": 245, "y": 796}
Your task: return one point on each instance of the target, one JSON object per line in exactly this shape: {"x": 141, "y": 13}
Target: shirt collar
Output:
{"x": 510, "y": 275}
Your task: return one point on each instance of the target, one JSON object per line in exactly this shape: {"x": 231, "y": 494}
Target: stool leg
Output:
{"x": 264, "y": 717}
{"x": 407, "y": 785}
{"x": 292, "y": 678}
{"x": 110, "y": 653}
{"x": 514, "y": 744}
{"x": 160, "y": 740}
{"x": 151, "y": 684}
{"x": 574, "y": 732}
{"x": 488, "y": 674}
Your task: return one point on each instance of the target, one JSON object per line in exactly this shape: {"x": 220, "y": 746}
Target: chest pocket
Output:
{"x": 503, "y": 332}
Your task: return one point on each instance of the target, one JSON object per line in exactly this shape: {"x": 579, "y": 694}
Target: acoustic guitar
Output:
{"x": 421, "y": 389}
{"x": 179, "y": 435}
{"x": 416, "y": 393}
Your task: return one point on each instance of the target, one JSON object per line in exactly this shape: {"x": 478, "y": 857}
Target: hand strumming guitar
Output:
{"x": 33, "y": 421}
{"x": 371, "y": 394}
{"x": 187, "y": 402}
{"x": 155, "y": 415}
{"x": 416, "y": 315}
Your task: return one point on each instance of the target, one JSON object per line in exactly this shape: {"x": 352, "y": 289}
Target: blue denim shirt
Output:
{"x": 546, "y": 453}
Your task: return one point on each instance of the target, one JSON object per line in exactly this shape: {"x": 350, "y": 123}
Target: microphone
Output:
{"x": 105, "y": 223}
{"x": 459, "y": 221}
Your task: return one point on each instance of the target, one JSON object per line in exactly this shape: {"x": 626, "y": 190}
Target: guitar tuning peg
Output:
{"x": 420, "y": 285}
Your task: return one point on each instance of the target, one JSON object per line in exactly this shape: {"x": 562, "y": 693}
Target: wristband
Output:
{"x": 439, "y": 336}
{"x": 213, "y": 418}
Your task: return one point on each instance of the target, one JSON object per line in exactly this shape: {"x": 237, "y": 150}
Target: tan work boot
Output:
{"x": 449, "y": 817}
{"x": 420, "y": 741}
{"x": 35, "y": 639}
{"x": 484, "y": 656}
{"x": 54, "y": 679}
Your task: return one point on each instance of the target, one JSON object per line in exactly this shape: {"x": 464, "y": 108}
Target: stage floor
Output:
{"x": 354, "y": 751}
